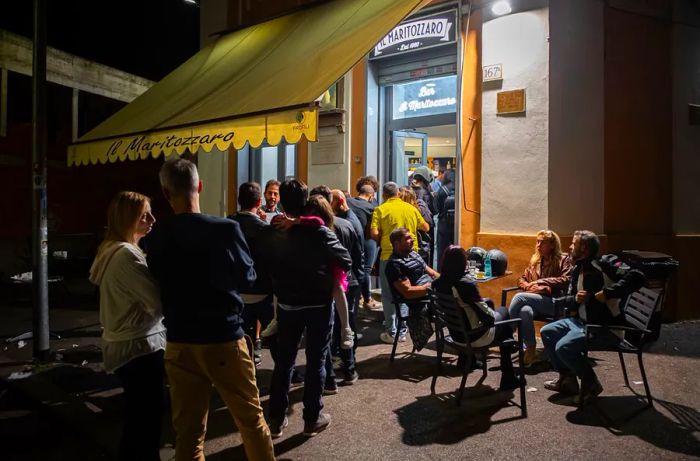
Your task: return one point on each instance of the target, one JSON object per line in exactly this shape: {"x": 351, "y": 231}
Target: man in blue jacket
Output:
{"x": 200, "y": 263}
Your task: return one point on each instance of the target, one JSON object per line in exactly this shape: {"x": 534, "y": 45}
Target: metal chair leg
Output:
{"x": 521, "y": 367}
{"x": 624, "y": 369}
{"x": 396, "y": 340}
{"x": 460, "y": 393}
{"x": 438, "y": 364}
{"x": 650, "y": 399}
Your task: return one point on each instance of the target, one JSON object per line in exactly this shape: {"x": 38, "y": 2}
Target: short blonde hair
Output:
{"x": 123, "y": 214}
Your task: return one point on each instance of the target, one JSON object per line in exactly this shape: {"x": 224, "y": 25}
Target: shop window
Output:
{"x": 266, "y": 162}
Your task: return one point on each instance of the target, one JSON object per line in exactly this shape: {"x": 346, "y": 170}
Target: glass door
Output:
{"x": 408, "y": 150}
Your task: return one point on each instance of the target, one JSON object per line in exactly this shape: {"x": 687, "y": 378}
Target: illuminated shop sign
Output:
{"x": 425, "y": 97}
{"x": 418, "y": 34}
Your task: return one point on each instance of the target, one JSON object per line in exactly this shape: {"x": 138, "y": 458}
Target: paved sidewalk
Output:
{"x": 72, "y": 410}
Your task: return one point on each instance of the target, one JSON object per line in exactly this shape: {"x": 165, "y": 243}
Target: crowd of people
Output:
{"x": 195, "y": 296}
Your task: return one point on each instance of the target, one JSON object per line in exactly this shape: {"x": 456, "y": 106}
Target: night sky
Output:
{"x": 149, "y": 38}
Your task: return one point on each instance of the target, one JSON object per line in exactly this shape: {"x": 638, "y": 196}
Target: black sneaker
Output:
{"x": 351, "y": 378}
{"x": 588, "y": 391}
{"x": 277, "y": 428}
{"x": 331, "y": 388}
{"x": 313, "y": 429}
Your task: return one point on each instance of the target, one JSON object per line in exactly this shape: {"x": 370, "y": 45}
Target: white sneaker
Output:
{"x": 386, "y": 338}
{"x": 347, "y": 338}
{"x": 271, "y": 329}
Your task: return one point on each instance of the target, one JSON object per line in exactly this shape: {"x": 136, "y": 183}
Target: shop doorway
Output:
{"x": 431, "y": 146}
{"x": 409, "y": 149}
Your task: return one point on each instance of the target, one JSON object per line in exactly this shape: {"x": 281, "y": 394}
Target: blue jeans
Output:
{"x": 371, "y": 250}
{"x": 388, "y": 303}
{"x": 528, "y": 306}
{"x": 565, "y": 344}
{"x": 318, "y": 322}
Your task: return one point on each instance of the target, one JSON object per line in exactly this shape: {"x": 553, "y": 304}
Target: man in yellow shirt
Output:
{"x": 390, "y": 215}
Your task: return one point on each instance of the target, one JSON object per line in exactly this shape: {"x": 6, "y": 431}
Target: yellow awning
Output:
{"x": 252, "y": 85}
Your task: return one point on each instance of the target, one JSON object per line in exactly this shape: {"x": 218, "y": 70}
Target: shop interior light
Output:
{"x": 501, "y": 8}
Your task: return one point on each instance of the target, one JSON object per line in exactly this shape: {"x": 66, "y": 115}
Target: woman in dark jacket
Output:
{"x": 454, "y": 281}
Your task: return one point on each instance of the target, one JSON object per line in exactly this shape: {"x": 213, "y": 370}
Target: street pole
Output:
{"x": 40, "y": 248}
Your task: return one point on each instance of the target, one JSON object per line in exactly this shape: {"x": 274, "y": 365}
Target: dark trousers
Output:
{"x": 252, "y": 313}
{"x": 142, "y": 380}
{"x": 318, "y": 322}
{"x": 371, "y": 250}
{"x": 347, "y": 356}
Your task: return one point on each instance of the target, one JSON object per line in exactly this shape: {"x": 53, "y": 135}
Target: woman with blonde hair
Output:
{"x": 133, "y": 332}
{"x": 545, "y": 278}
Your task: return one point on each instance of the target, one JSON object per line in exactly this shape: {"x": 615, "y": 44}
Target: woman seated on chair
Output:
{"x": 454, "y": 281}
{"x": 545, "y": 278}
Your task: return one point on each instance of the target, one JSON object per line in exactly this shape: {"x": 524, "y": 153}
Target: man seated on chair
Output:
{"x": 593, "y": 296}
{"x": 410, "y": 278}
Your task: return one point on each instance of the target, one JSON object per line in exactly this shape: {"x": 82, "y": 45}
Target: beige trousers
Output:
{"x": 192, "y": 370}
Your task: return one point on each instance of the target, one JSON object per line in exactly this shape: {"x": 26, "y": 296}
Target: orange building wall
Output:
{"x": 357, "y": 123}
{"x": 470, "y": 201}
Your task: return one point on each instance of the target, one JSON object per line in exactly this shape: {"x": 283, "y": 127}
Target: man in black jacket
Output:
{"x": 300, "y": 264}
{"x": 200, "y": 263}
{"x": 593, "y": 297}
{"x": 258, "y": 298}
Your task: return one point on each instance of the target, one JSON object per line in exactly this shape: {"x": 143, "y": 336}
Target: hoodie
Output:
{"x": 130, "y": 308}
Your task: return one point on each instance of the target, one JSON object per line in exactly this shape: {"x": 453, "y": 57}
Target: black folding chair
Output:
{"x": 451, "y": 316}
{"x": 638, "y": 311}
{"x": 401, "y": 319}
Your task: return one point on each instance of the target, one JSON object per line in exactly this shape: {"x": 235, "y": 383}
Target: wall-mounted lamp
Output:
{"x": 501, "y": 8}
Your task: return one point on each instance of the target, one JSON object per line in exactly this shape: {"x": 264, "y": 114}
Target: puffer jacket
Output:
{"x": 555, "y": 285}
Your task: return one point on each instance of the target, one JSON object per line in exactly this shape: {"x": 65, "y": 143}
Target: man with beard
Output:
{"x": 593, "y": 296}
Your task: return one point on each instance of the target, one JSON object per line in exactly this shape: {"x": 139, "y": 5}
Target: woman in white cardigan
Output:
{"x": 130, "y": 313}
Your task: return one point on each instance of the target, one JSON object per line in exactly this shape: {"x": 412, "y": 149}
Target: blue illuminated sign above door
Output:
{"x": 425, "y": 97}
